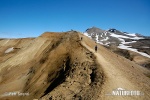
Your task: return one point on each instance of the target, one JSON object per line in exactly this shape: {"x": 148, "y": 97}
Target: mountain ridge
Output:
{"x": 66, "y": 66}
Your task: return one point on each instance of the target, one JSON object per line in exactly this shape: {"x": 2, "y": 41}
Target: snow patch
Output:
{"x": 125, "y": 37}
{"x": 86, "y": 34}
{"x": 102, "y": 35}
{"x": 97, "y": 37}
{"x": 137, "y": 38}
{"x": 9, "y": 50}
{"x": 100, "y": 43}
{"x": 107, "y": 43}
{"x": 122, "y": 46}
{"x": 118, "y": 36}
{"x": 105, "y": 33}
{"x": 131, "y": 34}
{"x": 106, "y": 39}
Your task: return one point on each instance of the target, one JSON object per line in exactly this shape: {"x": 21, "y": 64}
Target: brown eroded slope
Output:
{"x": 60, "y": 66}
{"x": 53, "y": 66}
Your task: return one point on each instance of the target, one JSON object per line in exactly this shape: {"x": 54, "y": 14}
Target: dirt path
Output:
{"x": 116, "y": 77}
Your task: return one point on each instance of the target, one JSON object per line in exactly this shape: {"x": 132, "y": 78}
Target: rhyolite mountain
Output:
{"x": 132, "y": 46}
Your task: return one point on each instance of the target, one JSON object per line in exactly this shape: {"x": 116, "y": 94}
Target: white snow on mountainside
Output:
{"x": 114, "y": 37}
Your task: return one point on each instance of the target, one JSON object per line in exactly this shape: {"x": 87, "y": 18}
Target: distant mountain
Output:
{"x": 112, "y": 37}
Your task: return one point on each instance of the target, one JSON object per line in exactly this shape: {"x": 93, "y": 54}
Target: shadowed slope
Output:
{"x": 50, "y": 63}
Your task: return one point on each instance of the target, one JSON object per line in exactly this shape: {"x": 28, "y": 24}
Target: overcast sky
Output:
{"x": 30, "y": 18}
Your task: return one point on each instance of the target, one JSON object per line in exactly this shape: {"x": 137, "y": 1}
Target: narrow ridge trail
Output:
{"x": 119, "y": 73}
